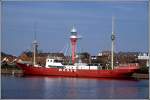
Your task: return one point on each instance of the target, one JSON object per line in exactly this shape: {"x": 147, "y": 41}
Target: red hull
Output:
{"x": 121, "y": 72}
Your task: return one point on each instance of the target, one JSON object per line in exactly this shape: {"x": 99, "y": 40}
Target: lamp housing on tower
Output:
{"x": 73, "y": 31}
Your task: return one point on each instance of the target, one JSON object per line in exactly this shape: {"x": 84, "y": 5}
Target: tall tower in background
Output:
{"x": 73, "y": 39}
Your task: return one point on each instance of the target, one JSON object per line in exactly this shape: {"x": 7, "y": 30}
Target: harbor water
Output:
{"x": 18, "y": 87}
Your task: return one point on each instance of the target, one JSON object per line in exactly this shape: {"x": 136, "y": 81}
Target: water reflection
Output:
{"x": 72, "y": 88}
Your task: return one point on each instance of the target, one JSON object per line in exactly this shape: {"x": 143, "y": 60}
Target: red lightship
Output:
{"x": 53, "y": 68}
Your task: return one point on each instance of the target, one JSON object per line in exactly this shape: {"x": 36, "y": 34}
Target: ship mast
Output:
{"x": 35, "y": 44}
{"x": 112, "y": 45}
{"x": 149, "y": 33}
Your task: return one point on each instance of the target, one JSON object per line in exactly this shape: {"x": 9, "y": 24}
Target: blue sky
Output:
{"x": 92, "y": 20}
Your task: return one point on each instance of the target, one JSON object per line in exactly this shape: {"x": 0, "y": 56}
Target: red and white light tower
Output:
{"x": 73, "y": 39}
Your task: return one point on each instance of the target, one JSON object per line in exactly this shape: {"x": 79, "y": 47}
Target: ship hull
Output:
{"x": 123, "y": 72}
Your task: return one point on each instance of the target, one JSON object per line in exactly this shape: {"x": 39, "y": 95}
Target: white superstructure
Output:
{"x": 144, "y": 56}
{"x": 52, "y": 63}
{"x": 55, "y": 64}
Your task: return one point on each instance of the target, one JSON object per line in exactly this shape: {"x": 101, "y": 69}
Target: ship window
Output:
{"x": 56, "y": 61}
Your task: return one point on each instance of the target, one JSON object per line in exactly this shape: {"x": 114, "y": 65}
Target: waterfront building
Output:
{"x": 144, "y": 57}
